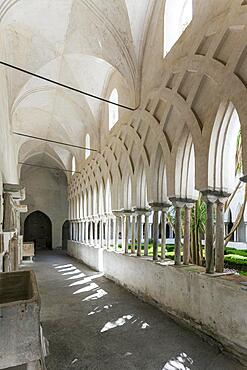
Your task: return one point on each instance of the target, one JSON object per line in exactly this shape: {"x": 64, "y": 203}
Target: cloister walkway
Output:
{"x": 92, "y": 323}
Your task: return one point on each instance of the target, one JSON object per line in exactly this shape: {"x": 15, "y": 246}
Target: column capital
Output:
{"x": 117, "y": 212}
{"x": 183, "y": 202}
{"x": 140, "y": 211}
{"x": 126, "y": 212}
{"x": 162, "y": 206}
{"x": 214, "y": 196}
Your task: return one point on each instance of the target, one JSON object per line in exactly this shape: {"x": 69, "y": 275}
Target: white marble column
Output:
{"x": 178, "y": 234}
{"x": 70, "y": 230}
{"x": 108, "y": 231}
{"x": 76, "y": 231}
{"x": 186, "y": 249}
{"x": 96, "y": 232}
{"x": 133, "y": 227}
{"x": 155, "y": 233}
{"x": 83, "y": 232}
{"x": 219, "y": 244}
{"x": 126, "y": 221}
{"x": 163, "y": 234}
{"x": 115, "y": 232}
{"x": 209, "y": 236}
{"x": 146, "y": 238}
{"x": 101, "y": 233}
{"x": 139, "y": 225}
{"x": 86, "y": 233}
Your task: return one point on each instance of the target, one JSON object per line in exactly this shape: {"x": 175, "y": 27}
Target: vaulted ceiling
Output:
{"x": 77, "y": 42}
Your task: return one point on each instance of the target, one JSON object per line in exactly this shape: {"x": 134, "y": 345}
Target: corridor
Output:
{"x": 91, "y": 323}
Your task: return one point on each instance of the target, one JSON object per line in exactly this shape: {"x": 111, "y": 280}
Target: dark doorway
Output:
{"x": 38, "y": 228}
{"x": 65, "y": 234}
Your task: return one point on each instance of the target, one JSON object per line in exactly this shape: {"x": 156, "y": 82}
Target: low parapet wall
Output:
{"x": 215, "y": 305}
{"x": 91, "y": 256}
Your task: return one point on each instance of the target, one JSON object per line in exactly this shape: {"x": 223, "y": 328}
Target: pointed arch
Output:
{"x": 108, "y": 197}
{"x": 141, "y": 186}
{"x": 222, "y": 148}
{"x": 87, "y": 146}
{"x": 178, "y": 14}
{"x": 158, "y": 178}
{"x": 113, "y": 109}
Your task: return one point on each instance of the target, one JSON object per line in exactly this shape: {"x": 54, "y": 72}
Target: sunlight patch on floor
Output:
{"x": 99, "y": 294}
{"x": 70, "y": 269}
{"x": 87, "y": 279}
{"x": 181, "y": 362}
{"x": 86, "y": 288}
{"x": 98, "y": 309}
{"x": 81, "y": 275}
{"x": 67, "y": 269}
{"x": 76, "y": 271}
{"x": 123, "y": 320}
{"x": 63, "y": 266}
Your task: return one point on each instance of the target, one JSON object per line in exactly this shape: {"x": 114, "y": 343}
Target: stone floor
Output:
{"x": 91, "y": 323}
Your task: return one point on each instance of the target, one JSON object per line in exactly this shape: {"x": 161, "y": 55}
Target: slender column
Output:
{"x": 86, "y": 233}
{"x": 83, "y": 232}
{"x": 89, "y": 232}
{"x": 133, "y": 241}
{"x": 126, "y": 233}
{"x": 219, "y": 245}
{"x": 120, "y": 227}
{"x": 101, "y": 231}
{"x": 116, "y": 232}
{"x": 155, "y": 233}
{"x": 142, "y": 231}
{"x": 209, "y": 238}
{"x": 71, "y": 230}
{"x": 96, "y": 232}
{"x": 163, "y": 234}
{"x": 108, "y": 230}
{"x": 79, "y": 231}
{"x": 186, "y": 249}
{"x": 177, "y": 256}
{"x": 139, "y": 243}
{"x": 146, "y": 239}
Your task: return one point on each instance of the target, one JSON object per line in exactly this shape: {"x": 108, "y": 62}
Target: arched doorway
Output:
{"x": 38, "y": 228}
{"x": 65, "y": 234}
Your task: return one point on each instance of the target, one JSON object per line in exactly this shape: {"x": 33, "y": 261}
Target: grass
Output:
{"x": 243, "y": 273}
{"x": 235, "y": 251}
{"x": 169, "y": 249}
{"x": 234, "y": 258}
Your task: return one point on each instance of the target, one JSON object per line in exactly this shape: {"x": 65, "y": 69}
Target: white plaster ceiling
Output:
{"x": 77, "y": 42}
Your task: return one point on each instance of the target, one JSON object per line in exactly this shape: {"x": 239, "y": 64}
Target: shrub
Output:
{"x": 236, "y": 252}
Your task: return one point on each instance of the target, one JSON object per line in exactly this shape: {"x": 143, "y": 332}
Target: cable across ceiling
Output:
{"x": 65, "y": 86}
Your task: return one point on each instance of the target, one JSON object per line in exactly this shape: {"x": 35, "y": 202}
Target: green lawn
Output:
{"x": 169, "y": 248}
{"x": 234, "y": 258}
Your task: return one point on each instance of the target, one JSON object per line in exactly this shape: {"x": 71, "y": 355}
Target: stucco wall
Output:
{"x": 91, "y": 256}
{"x": 211, "y": 304}
{"x": 46, "y": 191}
